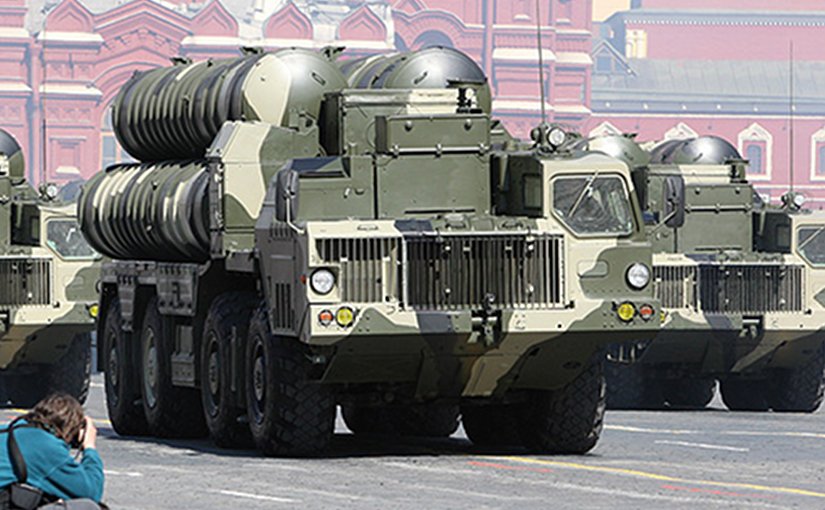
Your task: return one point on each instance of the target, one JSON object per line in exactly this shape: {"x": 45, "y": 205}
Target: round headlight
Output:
{"x": 556, "y": 137}
{"x": 638, "y": 276}
{"x": 322, "y": 281}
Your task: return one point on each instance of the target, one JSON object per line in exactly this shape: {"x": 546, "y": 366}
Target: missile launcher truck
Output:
{"x": 741, "y": 285}
{"x": 302, "y": 233}
{"x": 48, "y": 298}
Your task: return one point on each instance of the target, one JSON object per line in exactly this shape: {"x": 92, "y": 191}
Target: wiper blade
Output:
{"x": 585, "y": 190}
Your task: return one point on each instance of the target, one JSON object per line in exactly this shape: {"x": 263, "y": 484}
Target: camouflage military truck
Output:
{"x": 297, "y": 237}
{"x": 48, "y": 298}
{"x": 741, "y": 284}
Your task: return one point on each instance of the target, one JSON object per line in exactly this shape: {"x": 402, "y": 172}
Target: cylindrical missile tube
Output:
{"x": 175, "y": 112}
{"x": 148, "y": 211}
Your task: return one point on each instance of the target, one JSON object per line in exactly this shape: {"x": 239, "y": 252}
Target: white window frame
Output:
{"x": 756, "y": 133}
{"x": 605, "y": 129}
{"x": 680, "y": 131}
{"x": 817, "y": 140}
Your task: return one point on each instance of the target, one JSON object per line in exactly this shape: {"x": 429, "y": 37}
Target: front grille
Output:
{"x": 675, "y": 286}
{"x": 461, "y": 271}
{"x": 25, "y": 281}
{"x": 369, "y": 269}
{"x": 742, "y": 288}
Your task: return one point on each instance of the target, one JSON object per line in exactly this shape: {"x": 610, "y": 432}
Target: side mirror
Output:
{"x": 674, "y": 201}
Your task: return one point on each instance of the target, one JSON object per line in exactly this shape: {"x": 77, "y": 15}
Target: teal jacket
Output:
{"x": 51, "y": 467}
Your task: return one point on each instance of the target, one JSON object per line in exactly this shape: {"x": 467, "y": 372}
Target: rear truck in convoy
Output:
{"x": 741, "y": 285}
{"x": 48, "y": 294}
{"x": 294, "y": 239}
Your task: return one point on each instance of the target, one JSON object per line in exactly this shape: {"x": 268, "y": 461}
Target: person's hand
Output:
{"x": 90, "y": 435}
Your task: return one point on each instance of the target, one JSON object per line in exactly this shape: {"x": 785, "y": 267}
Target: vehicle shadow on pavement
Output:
{"x": 344, "y": 445}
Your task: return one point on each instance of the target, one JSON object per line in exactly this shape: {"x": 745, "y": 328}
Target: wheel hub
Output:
{"x": 259, "y": 379}
{"x": 113, "y": 367}
{"x": 213, "y": 373}
{"x": 150, "y": 370}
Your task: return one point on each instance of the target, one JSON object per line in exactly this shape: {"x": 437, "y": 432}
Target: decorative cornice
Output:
{"x": 718, "y": 18}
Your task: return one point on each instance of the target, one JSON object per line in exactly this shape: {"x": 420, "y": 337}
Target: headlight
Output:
{"x": 322, "y": 281}
{"x": 638, "y": 276}
{"x": 556, "y": 137}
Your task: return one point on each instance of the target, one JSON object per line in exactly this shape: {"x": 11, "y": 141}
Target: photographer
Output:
{"x": 45, "y": 437}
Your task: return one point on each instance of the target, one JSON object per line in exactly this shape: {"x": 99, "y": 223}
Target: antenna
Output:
{"x": 44, "y": 140}
{"x": 791, "y": 115}
{"x": 541, "y": 61}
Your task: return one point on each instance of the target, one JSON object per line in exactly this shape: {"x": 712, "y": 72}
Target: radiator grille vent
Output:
{"x": 453, "y": 272}
{"x": 25, "y": 281}
{"x": 751, "y": 288}
{"x": 284, "y": 317}
{"x": 675, "y": 286}
{"x": 369, "y": 268}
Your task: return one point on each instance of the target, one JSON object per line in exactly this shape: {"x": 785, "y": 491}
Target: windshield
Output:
{"x": 65, "y": 239}
{"x": 594, "y": 204}
{"x": 811, "y": 244}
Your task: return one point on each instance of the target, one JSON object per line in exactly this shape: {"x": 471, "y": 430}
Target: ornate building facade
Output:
{"x": 62, "y": 63}
{"x": 748, "y": 72}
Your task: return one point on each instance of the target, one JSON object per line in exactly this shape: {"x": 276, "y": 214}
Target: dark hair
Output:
{"x": 60, "y": 414}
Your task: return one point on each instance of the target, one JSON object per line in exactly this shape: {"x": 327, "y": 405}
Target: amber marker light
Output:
{"x": 345, "y": 316}
{"x": 325, "y": 317}
{"x": 646, "y": 312}
{"x": 626, "y": 311}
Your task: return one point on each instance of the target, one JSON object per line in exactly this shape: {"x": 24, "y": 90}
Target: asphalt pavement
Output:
{"x": 677, "y": 459}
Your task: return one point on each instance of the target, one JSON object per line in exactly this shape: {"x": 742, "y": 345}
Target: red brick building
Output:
{"x": 61, "y": 65}
{"x": 673, "y": 68}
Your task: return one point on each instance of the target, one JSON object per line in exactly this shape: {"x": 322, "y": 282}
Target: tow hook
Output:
{"x": 752, "y": 326}
{"x": 486, "y": 322}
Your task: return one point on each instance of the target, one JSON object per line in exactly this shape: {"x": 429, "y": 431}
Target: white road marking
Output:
{"x": 605, "y": 491}
{"x": 686, "y": 432}
{"x": 675, "y": 432}
{"x": 704, "y": 446}
{"x": 96, "y": 385}
{"x": 121, "y": 473}
{"x": 257, "y": 496}
{"x": 471, "y": 493}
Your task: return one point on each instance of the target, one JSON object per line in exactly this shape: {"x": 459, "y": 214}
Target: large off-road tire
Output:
{"x": 801, "y": 389}
{"x": 425, "y": 420}
{"x": 689, "y": 393}
{"x": 289, "y": 413}
{"x": 367, "y": 420}
{"x": 171, "y": 411}
{"x": 745, "y": 394}
{"x": 568, "y": 420}
{"x": 628, "y": 388}
{"x": 228, "y": 319}
{"x": 73, "y": 370}
{"x": 121, "y": 382}
{"x": 491, "y": 425}
{"x": 69, "y": 374}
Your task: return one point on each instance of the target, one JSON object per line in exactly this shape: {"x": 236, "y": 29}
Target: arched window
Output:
{"x": 818, "y": 155}
{"x": 820, "y": 159}
{"x": 754, "y": 153}
{"x": 110, "y": 150}
{"x": 756, "y": 145}
{"x": 433, "y": 38}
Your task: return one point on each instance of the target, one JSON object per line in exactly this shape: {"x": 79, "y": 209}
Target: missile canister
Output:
{"x": 147, "y": 211}
{"x": 175, "y": 112}
{"x": 13, "y": 163}
{"x": 434, "y": 67}
{"x": 704, "y": 150}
